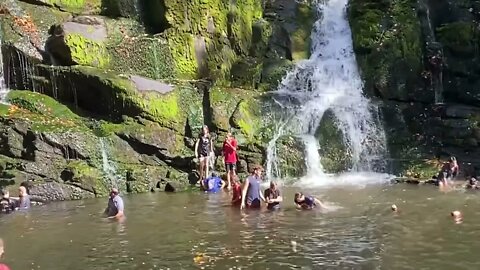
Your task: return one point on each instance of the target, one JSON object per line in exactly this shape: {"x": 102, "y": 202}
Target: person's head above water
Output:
{"x": 5, "y": 194}
{"x": 22, "y": 191}
{"x": 114, "y": 192}
{"x": 257, "y": 170}
{"x": 273, "y": 185}
{"x": 299, "y": 198}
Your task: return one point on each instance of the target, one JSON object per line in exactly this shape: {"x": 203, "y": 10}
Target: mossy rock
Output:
{"x": 273, "y": 72}
{"x": 246, "y": 117}
{"x": 305, "y": 18}
{"x": 76, "y": 6}
{"x": 120, "y": 8}
{"x": 291, "y": 157}
{"x": 89, "y": 178}
{"x": 246, "y": 73}
{"x": 461, "y": 38}
{"x": 87, "y": 52}
{"x": 335, "y": 154}
{"x": 42, "y": 112}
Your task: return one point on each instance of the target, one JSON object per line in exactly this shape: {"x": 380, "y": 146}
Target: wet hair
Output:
{"x": 452, "y": 158}
{"x": 297, "y": 195}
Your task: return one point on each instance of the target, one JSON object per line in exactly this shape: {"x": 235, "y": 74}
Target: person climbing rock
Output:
{"x": 203, "y": 150}
{"x": 115, "y": 205}
{"x": 251, "y": 191}
{"x": 272, "y": 196}
{"x": 306, "y": 202}
{"x": 230, "y": 157}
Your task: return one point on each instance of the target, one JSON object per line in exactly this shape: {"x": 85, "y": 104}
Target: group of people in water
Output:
{"x": 249, "y": 193}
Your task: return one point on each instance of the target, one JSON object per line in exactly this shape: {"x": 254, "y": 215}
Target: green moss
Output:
{"x": 305, "y": 17}
{"x": 273, "y": 72}
{"x": 261, "y": 33}
{"x": 87, "y": 52}
{"x": 459, "y": 37}
{"x": 87, "y": 177}
{"x": 248, "y": 120}
{"x": 43, "y": 112}
{"x": 183, "y": 54}
{"x": 77, "y": 6}
{"x": 163, "y": 107}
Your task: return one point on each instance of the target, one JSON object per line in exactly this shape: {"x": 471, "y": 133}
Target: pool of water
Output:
{"x": 197, "y": 230}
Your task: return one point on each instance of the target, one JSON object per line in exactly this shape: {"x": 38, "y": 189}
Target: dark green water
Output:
{"x": 167, "y": 231}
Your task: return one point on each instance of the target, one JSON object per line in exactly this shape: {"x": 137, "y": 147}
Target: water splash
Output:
{"x": 330, "y": 80}
{"x": 3, "y": 86}
{"x": 109, "y": 168}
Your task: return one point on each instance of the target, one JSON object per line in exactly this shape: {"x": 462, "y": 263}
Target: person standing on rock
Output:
{"x": 115, "y": 205}
{"x": 230, "y": 158}
{"x": 203, "y": 149}
{"x": 251, "y": 191}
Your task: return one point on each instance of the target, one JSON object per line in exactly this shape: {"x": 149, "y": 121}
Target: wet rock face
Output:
{"x": 420, "y": 59}
{"x": 128, "y": 84}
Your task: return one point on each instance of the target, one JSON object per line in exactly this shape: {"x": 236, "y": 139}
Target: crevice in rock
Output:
{"x": 153, "y": 15}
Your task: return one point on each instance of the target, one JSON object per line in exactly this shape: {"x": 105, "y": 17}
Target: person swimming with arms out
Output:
{"x": 272, "y": 196}
{"x": 307, "y": 202}
{"x": 213, "y": 184}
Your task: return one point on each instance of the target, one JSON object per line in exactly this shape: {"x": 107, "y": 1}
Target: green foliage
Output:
{"x": 460, "y": 37}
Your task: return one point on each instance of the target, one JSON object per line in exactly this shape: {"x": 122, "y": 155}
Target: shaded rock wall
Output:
{"x": 119, "y": 89}
{"x": 420, "y": 59}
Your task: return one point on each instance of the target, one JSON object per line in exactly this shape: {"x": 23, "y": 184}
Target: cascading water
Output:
{"x": 109, "y": 168}
{"x": 3, "y": 86}
{"x": 330, "y": 80}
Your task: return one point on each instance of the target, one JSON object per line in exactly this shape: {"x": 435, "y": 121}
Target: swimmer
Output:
{"x": 394, "y": 208}
{"x": 115, "y": 205}
{"x": 307, "y": 202}
{"x": 473, "y": 183}
{"x": 457, "y": 216}
{"x": 251, "y": 190}
{"x": 7, "y": 205}
{"x": 24, "y": 199}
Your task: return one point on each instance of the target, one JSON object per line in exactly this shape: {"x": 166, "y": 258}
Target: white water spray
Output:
{"x": 3, "y": 86}
{"x": 330, "y": 80}
{"x": 109, "y": 168}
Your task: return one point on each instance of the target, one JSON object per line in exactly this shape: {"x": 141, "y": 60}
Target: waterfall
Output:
{"x": 109, "y": 168}
{"x": 330, "y": 80}
{"x": 3, "y": 86}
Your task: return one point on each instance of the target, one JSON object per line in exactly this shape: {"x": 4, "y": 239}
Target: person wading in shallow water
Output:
{"x": 230, "y": 157}
{"x": 203, "y": 149}
{"x": 24, "y": 199}
{"x": 251, "y": 191}
{"x": 273, "y": 197}
{"x": 2, "y": 250}
{"x": 115, "y": 205}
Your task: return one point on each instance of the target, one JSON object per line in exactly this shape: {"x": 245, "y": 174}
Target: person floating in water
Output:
{"x": 203, "y": 150}
{"x": 236, "y": 192}
{"x": 213, "y": 184}
{"x": 230, "y": 157}
{"x": 307, "y": 202}
{"x": 7, "y": 205}
{"x": 2, "y": 250}
{"x": 272, "y": 196}
{"x": 473, "y": 183}
{"x": 115, "y": 205}
{"x": 251, "y": 191}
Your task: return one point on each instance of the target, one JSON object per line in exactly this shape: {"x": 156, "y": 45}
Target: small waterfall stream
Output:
{"x": 109, "y": 168}
{"x": 3, "y": 86}
{"x": 330, "y": 80}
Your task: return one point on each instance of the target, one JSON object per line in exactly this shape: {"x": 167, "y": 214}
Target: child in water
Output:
{"x": 236, "y": 192}
{"x": 307, "y": 202}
